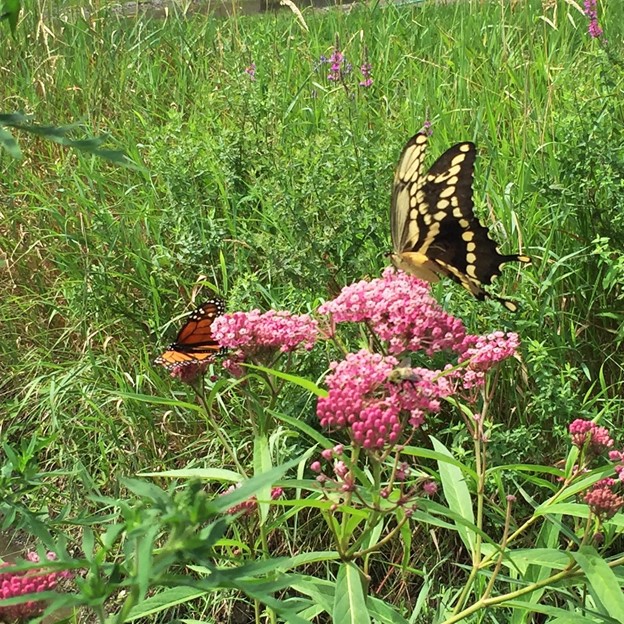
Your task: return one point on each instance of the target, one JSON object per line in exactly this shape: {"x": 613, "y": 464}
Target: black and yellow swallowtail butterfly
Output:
{"x": 434, "y": 230}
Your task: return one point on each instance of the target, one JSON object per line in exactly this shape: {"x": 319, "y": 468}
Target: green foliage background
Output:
{"x": 275, "y": 191}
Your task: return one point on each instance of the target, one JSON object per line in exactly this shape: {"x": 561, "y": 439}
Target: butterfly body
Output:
{"x": 434, "y": 230}
{"x": 195, "y": 343}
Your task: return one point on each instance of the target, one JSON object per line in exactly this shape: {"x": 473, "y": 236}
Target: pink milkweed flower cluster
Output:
{"x": 373, "y": 397}
{"x": 588, "y": 436}
{"x": 603, "y": 498}
{"x": 189, "y": 372}
{"x": 33, "y": 581}
{"x": 483, "y": 352}
{"x": 252, "y": 334}
{"x": 375, "y": 409}
{"x": 400, "y": 310}
{"x": 343, "y": 479}
{"x": 594, "y": 29}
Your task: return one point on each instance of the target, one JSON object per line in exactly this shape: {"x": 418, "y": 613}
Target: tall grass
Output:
{"x": 275, "y": 192}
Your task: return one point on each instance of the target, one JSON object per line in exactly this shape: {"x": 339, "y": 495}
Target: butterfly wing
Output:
{"x": 195, "y": 342}
{"x": 434, "y": 230}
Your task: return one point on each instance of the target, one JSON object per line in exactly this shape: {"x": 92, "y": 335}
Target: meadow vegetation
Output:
{"x": 260, "y": 176}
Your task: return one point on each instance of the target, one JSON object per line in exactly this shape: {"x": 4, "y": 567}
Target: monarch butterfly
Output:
{"x": 433, "y": 227}
{"x": 194, "y": 343}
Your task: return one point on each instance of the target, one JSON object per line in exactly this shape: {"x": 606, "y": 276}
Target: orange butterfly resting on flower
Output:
{"x": 195, "y": 343}
{"x": 434, "y": 230}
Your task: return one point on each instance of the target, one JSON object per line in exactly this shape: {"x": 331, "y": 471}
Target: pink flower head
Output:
{"x": 363, "y": 399}
{"x": 254, "y": 333}
{"x": 188, "y": 372}
{"x": 603, "y": 498}
{"x": 251, "y": 71}
{"x": 483, "y": 352}
{"x": 367, "y": 79}
{"x": 588, "y": 435}
{"x": 339, "y": 66}
{"x": 341, "y": 470}
{"x": 618, "y": 456}
{"x": 430, "y": 488}
{"x": 402, "y": 471}
{"x": 327, "y": 454}
{"x": 13, "y": 584}
{"x": 594, "y": 29}
{"x": 401, "y": 311}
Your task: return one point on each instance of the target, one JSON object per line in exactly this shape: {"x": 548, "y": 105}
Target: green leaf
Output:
{"x": 416, "y": 451}
{"x": 524, "y": 559}
{"x": 383, "y": 612}
{"x": 9, "y": 143}
{"x": 299, "y": 381}
{"x": 143, "y": 564}
{"x": 59, "y": 134}
{"x": 603, "y": 581}
{"x": 262, "y": 464}
{"x": 164, "y": 600}
{"x": 205, "y": 474}
{"x": 349, "y": 601}
{"x": 456, "y": 493}
{"x": 297, "y": 423}
{"x": 561, "y": 616}
{"x": 423, "y": 594}
{"x": 321, "y": 591}
{"x": 251, "y": 487}
{"x": 9, "y": 10}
